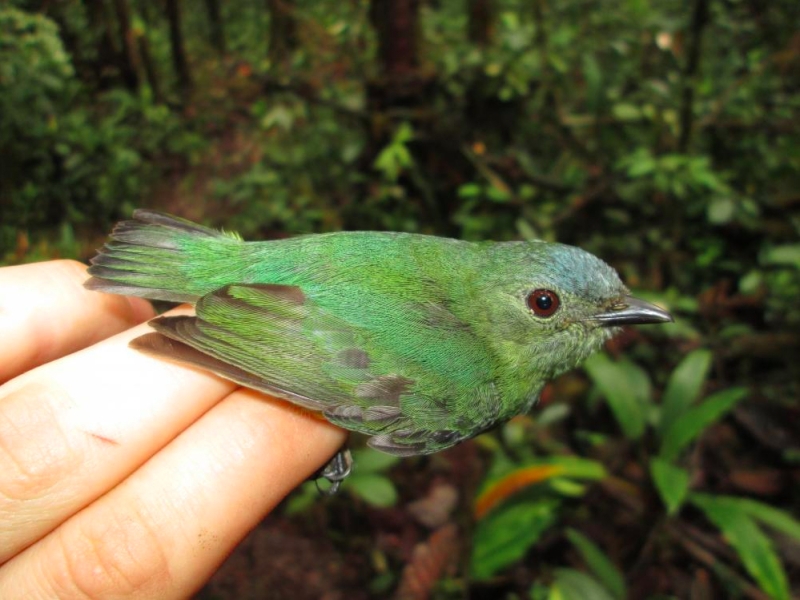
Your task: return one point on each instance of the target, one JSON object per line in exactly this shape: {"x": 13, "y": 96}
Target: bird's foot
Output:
{"x": 336, "y": 471}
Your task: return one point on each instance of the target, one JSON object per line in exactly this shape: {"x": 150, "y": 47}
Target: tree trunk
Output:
{"x": 148, "y": 9}
{"x": 107, "y": 66}
{"x": 282, "y": 30}
{"x": 481, "y": 22}
{"x": 397, "y": 25}
{"x": 176, "y": 42}
{"x": 149, "y": 67}
{"x": 216, "y": 25}
{"x": 402, "y": 94}
{"x": 695, "y": 38}
{"x": 129, "y": 63}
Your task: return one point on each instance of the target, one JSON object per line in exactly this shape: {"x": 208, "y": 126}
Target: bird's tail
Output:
{"x": 161, "y": 257}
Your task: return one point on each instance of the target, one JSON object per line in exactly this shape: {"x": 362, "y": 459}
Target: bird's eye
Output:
{"x": 543, "y": 303}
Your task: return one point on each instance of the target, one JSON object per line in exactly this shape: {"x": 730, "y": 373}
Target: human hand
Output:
{"x": 122, "y": 474}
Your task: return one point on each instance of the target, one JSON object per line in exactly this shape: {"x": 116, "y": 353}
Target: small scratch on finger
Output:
{"x": 104, "y": 439}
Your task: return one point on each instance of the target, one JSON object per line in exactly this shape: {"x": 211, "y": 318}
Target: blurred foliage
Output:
{"x": 68, "y": 159}
{"x": 664, "y": 137}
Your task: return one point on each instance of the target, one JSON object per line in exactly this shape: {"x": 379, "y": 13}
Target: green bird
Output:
{"x": 418, "y": 342}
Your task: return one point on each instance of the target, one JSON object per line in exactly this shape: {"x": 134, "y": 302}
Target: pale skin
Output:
{"x": 122, "y": 475}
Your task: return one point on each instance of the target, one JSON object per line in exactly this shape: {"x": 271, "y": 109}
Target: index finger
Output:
{"x": 46, "y": 313}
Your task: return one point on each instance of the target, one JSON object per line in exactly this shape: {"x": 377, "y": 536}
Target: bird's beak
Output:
{"x": 632, "y": 311}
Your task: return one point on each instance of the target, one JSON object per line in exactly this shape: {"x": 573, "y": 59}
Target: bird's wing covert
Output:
{"x": 275, "y": 339}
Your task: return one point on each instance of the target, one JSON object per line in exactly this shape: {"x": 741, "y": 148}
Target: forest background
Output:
{"x": 663, "y": 136}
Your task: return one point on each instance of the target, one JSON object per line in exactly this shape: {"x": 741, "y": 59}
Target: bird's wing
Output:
{"x": 275, "y": 339}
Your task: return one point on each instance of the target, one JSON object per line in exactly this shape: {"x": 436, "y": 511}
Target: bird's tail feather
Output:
{"x": 155, "y": 256}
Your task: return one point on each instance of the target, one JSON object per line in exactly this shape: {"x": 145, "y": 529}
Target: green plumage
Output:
{"x": 417, "y": 341}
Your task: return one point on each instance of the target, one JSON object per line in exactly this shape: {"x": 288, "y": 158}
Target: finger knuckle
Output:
{"x": 35, "y": 453}
{"x": 113, "y": 554}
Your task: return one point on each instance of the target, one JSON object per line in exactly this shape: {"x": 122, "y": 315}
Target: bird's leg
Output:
{"x": 336, "y": 471}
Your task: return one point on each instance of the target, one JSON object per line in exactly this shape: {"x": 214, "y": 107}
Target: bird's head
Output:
{"x": 551, "y": 305}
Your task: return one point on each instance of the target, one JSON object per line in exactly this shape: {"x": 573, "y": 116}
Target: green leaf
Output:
{"x": 786, "y": 255}
{"x": 627, "y": 112}
{"x": 695, "y": 420}
{"x": 575, "y": 585}
{"x": 281, "y": 116}
{"x": 775, "y": 518}
{"x": 615, "y": 383}
{"x": 497, "y": 194}
{"x": 684, "y": 386}
{"x": 506, "y": 535}
{"x": 559, "y": 471}
{"x": 753, "y": 547}
{"x": 376, "y": 490}
{"x": 302, "y": 498}
{"x": 567, "y": 487}
{"x": 577, "y": 467}
{"x": 598, "y": 561}
{"x": 751, "y": 282}
{"x": 593, "y": 75}
{"x": 672, "y": 483}
{"x": 395, "y": 156}
{"x": 639, "y": 163}
{"x": 404, "y": 133}
{"x": 552, "y": 414}
{"x": 367, "y": 460}
{"x": 720, "y": 211}
{"x": 639, "y": 382}
{"x": 470, "y": 190}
